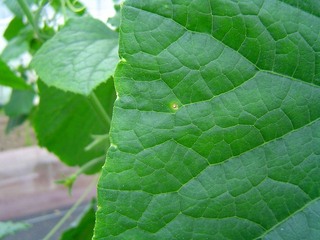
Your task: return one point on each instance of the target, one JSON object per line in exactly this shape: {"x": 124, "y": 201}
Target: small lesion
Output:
{"x": 174, "y": 106}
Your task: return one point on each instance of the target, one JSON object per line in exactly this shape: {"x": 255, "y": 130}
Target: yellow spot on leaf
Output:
{"x": 175, "y": 106}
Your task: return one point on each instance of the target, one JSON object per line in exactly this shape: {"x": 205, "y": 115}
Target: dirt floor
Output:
{"x": 22, "y": 136}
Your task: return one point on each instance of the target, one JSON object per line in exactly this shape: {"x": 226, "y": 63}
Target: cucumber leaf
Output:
{"x": 216, "y": 131}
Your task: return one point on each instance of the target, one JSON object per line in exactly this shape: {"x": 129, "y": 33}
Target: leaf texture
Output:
{"x": 216, "y": 129}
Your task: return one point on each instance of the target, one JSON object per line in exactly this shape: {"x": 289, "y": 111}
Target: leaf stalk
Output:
{"x": 25, "y": 8}
{"x": 100, "y": 110}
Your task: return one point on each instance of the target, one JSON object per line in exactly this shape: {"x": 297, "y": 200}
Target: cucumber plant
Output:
{"x": 215, "y": 129}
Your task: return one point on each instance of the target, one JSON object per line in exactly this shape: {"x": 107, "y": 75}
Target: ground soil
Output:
{"x": 20, "y": 137}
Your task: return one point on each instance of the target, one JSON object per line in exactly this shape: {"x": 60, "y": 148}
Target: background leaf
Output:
{"x": 65, "y": 123}
{"x": 216, "y": 130}
{"x": 9, "y": 79}
{"x": 15, "y": 122}
{"x": 9, "y": 228}
{"x": 20, "y": 103}
{"x": 18, "y": 45}
{"x": 14, "y": 27}
{"x": 15, "y": 8}
{"x": 79, "y": 57}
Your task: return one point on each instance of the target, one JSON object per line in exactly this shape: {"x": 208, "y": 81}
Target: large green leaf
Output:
{"x": 66, "y": 123}
{"x": 79, "y": 57}
{"x": 216, "y": 130}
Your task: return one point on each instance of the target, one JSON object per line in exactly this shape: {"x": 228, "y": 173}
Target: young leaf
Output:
{"x": 216, "y": 131}
{"x": 79, "y": 57}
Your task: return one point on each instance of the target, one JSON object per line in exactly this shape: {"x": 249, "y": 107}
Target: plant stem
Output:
{"x": 97, "y": 139}
{"x": 71, "y": 210}
{"x": 69, "y": 181}
{"x": 25, "y": 8}
{"x": 84, "y": 168}
{"x": 37, "y": 18}
{"x": 99, "y": 109}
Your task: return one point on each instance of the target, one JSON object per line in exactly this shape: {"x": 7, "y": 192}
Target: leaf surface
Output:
{"x": 79, "y": 57}
{"x": 216, "y": 130}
